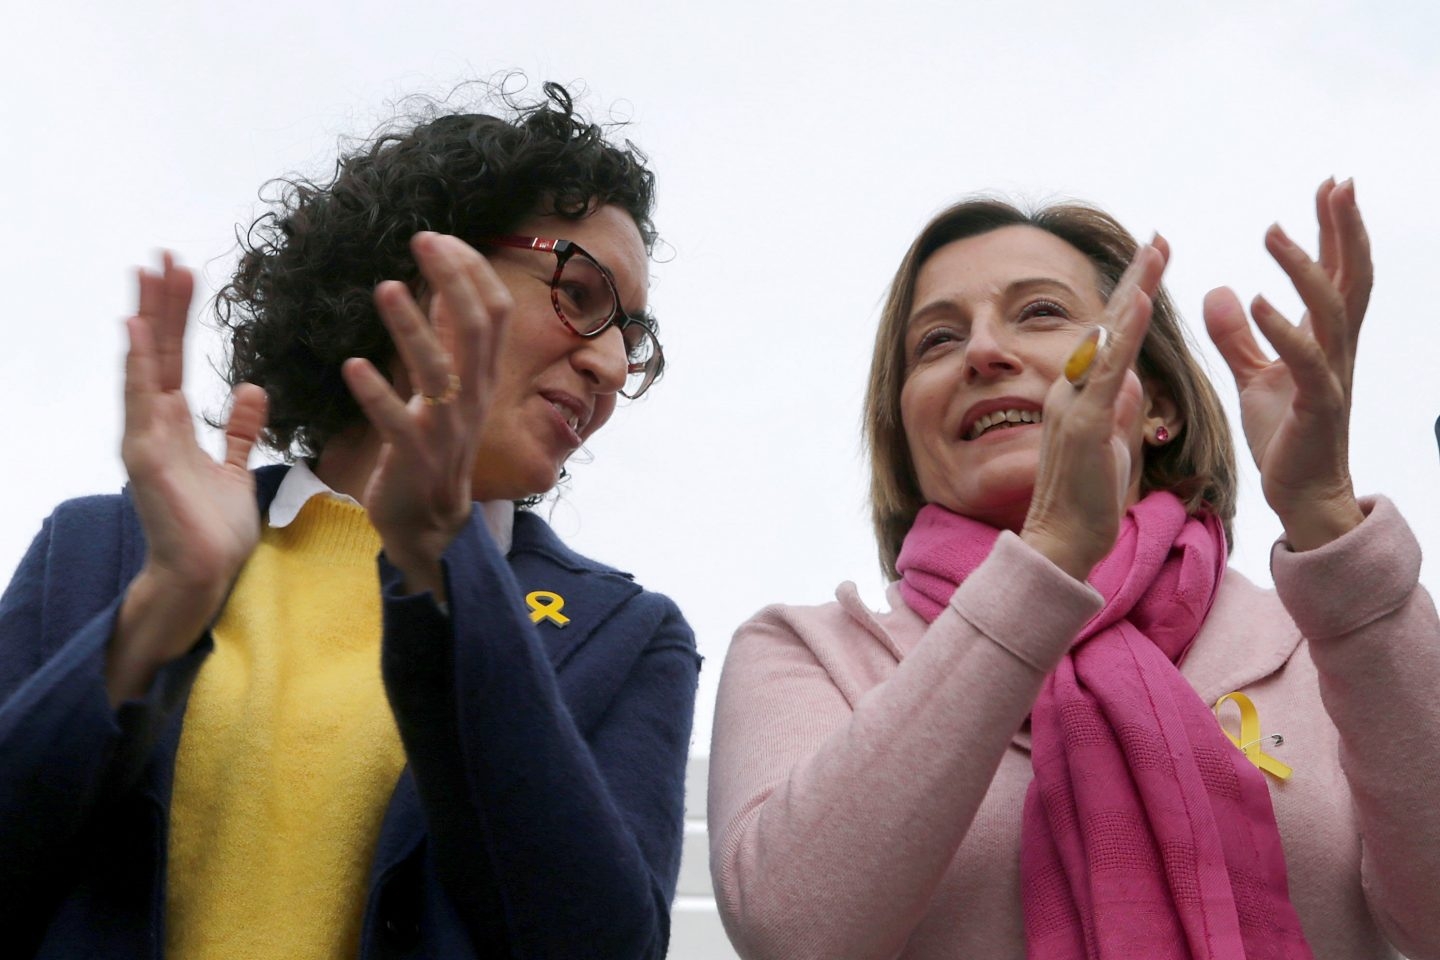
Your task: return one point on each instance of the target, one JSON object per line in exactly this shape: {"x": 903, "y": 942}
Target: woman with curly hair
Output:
{"x": 363, "y": 705}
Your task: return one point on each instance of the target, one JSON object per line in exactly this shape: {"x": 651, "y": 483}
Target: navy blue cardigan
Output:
{"x": 540, "y": 812}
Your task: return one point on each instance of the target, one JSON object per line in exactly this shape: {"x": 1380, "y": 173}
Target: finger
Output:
{"x": 386, "y": 412}
{"x": 474, "y": 302}
{"x": 1230, "y": 331}
{"x": 1112, "y": 363}
{"x": 427, "y": 363}
{"x": 1300, "y": 353}
{"x": 248, "y": 411}
{"x": 1128, "y": 320}
{"x": 140, "y": 377}
{"x": 177, "y": 287}
{"x": 1162, "y": 245}
{"x": 1356, "y": 266}
{"x": 1325, "y": 306}
{"x": 1329, "y": 246}
{"x": 1144, "y": 270}
{"x": 1129, "y": 402}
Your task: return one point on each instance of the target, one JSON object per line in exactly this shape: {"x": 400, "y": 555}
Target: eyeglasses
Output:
{"x": 587, "y": 302}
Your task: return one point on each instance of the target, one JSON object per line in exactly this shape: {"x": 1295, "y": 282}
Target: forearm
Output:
{"x": 817, "y": 804}
{"x": 1375, "y": 640}
{"x": 156, "y": 623}
{"x": 66, "y": 756}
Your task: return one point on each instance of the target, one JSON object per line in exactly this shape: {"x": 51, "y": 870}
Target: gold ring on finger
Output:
{"x": 452, "y": 390}
{"x": 1082, "y": 360}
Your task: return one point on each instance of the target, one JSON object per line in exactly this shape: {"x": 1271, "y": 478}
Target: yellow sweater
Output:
{"x": 289, "y": 752}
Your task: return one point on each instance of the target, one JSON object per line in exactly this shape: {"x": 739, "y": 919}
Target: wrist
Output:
{"x": 1061, "y": 551}
{"x": 157, "y": 622}
{"x": 419, "y": 573}
{"x": 1321, "y": 522}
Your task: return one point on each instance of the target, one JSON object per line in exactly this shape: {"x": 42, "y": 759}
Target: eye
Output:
{"x": 1043, "y": 309}
{"x": 937, "y": 338}
{"x": 577, "y": 299}
{"x": 584, "y": 293}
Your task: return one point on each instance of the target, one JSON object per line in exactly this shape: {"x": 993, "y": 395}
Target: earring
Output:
{"x": 1161, "y": 434}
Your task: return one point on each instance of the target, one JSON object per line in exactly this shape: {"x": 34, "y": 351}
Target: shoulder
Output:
{"x": 844, "y": 634}
{"x": 537, "y": 554}
{"x": 95, "y": 524}
{"x": 534, "y": 538}
{"x": 94, "y": 527}
{"x": 845, "y": 617}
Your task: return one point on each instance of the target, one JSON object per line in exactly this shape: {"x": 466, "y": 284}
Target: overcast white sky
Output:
{"x": 799, "y": 147}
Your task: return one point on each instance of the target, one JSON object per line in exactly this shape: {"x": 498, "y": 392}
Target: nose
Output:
{"x": 990, "y": 352}
{"x": 603, "y": 361}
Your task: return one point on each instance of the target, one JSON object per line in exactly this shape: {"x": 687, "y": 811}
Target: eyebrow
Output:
{"x": 1023, "y": 285}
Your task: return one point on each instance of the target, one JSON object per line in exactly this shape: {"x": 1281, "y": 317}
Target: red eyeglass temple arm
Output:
{"x": 527, "y": 243}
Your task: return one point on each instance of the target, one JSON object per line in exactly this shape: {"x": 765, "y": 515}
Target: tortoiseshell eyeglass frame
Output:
{"x": 642, "y": 373}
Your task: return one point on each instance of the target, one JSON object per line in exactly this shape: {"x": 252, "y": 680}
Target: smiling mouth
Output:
{"x": 1001, "y": 420}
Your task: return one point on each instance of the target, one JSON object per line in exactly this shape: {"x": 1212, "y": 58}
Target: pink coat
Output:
{"x": 867, "y": 779}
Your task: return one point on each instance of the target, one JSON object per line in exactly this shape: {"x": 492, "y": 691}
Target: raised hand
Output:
{"x": 1295, "y": 409}
{"x": 418, "y": 495}
{"x": 199, "y": 516}
{"x": 1086, "y": 465}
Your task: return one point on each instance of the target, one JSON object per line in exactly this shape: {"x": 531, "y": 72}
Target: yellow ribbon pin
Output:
{"x": 546, "y": 605}
{"x": 1250, "y": 737}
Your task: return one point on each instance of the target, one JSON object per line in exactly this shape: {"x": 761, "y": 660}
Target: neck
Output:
{"x": 348, "y": 460}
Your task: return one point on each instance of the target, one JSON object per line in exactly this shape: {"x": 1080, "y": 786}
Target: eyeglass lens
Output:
{"x": 588, "y": 300}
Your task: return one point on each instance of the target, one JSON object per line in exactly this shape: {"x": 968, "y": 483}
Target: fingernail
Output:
{"x": 1281, "y": 237}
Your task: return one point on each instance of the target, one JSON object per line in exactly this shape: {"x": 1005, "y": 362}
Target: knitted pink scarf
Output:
{"x": 1145, "y": 832}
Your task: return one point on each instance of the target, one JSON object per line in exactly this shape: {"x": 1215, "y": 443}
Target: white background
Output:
{"x": 799, "y": 148}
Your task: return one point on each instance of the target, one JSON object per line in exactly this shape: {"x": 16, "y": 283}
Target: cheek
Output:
{"x": 921, "y": 408}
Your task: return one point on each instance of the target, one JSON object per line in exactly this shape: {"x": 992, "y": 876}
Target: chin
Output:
{"x": 519, "y": 482}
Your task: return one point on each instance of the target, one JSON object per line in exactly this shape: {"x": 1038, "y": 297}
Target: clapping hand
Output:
{"x": 1086, "y": 466}
{"x": 199, "y": 516}
{"x": 419, "y": 495}
{"x": 1295, "y": 409}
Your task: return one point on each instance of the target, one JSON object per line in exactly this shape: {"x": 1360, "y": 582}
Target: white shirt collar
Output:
{"x": 300, "y": 484}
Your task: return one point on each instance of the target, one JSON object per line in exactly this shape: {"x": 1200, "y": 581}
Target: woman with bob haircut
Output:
{"x": 1076, "y": 733}
{"x": 363, "y": 705}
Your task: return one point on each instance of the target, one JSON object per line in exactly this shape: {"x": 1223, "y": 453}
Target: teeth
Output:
{"x": 571, "y": 417}
{"x": 1002, "y": 416}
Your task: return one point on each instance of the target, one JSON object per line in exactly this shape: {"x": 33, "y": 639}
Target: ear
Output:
{"x": 1162, "y": 421}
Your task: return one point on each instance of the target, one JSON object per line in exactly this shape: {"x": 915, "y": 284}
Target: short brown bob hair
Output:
{"x": 1198, "y": 466}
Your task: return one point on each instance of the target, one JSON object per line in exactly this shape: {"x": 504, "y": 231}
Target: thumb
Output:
{"x": 248, "y": 410}
{"x": 1229, "y": 329}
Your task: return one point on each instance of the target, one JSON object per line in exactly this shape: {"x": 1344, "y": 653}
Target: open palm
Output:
{"x": 1295, "y": 410}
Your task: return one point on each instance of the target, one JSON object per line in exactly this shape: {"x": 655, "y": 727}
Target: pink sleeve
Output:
{"x": 832, "y": 822}
{"x": 1375, "y": 640}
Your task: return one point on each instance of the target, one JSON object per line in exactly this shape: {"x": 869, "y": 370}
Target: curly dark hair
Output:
{"x": 300, "y": 301}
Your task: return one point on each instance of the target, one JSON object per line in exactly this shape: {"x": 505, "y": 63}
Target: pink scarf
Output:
{"x": 1145, "y": 832}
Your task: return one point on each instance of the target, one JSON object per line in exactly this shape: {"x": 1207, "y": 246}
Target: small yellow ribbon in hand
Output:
{"x": 545, "y": 605}
{"x": 1250, "y": 738}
